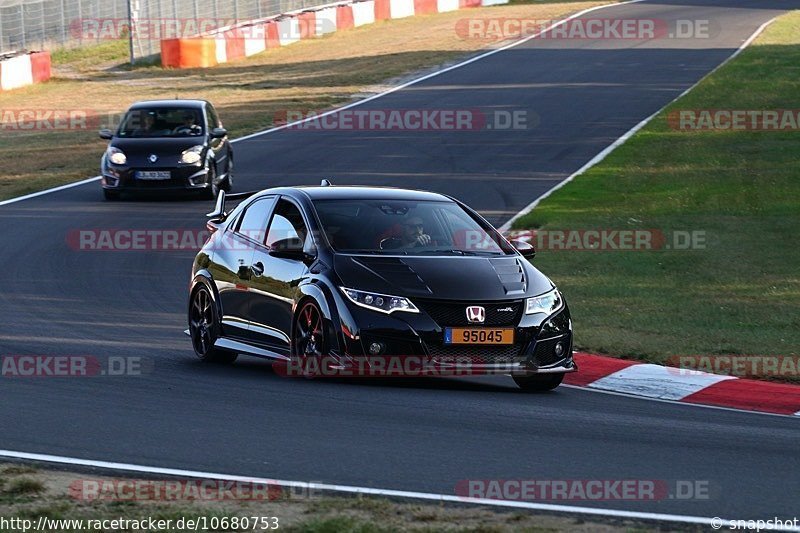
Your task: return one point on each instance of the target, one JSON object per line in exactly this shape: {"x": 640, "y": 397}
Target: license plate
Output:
{"x": 153, "y": 175}
{"x": 479, "y": 336}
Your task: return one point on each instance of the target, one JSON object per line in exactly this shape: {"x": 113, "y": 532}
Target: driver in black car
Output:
{"x": 412, "y": 234}
{"x": 189, "y": 126}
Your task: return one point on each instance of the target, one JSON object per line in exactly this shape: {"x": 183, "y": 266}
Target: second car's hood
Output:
{"x": 448, "y": 278}
{"x": 167, "y": 150}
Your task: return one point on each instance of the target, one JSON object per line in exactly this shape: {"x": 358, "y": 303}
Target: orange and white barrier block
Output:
{"x": 250, "y": 38}
{"x": 24, "y": 69}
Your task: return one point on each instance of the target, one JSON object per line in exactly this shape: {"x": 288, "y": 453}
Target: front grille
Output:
{"x": 455, "y": 314}
{"x": 479, "y": 355}
{"x": 544, "y": 353}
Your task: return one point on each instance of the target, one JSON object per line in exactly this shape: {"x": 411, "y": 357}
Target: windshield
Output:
{"x": 412, "y": 228}
{"x": 162, "y": 122}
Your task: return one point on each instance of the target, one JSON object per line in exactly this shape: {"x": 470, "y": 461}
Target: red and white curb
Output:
{"x": 688, "y": 386}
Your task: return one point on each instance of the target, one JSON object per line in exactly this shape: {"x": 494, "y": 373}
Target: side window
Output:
{"x": 213, "y": 118}
{"x": 287, "y": 229}
{"x": 253, "y": 223}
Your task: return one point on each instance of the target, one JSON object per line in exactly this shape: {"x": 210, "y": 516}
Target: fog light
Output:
{"x": 375, "y": 348}
{"x": 559, "y": 349}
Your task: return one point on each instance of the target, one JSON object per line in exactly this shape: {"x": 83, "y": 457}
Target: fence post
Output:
{"x": 44, "y": 32}
{"x": 22, "y": 19}
{"x": 80, "y": 17}
{"x": 130, "y": 33}
{"x": 1, "y": 35}
{"x": 64, "y": 24}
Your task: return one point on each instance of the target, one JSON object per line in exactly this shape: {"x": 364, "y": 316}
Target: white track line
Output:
{"x": 616, "y": 513}
{"x": 357, "y": 103}
{"x": 616, "y": 144}
{"x": 48, "y": 191}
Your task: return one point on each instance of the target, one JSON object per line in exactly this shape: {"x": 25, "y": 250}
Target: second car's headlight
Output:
{"x": 379, "y": 302}
{"x": 192, "y": 155}
{"x": 547, "y": 303}
{"x": 117, "y": 156}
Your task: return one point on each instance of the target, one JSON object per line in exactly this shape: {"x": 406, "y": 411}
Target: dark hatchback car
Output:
{"x": 167, "y": 145}
{"x": 354, "y": 273}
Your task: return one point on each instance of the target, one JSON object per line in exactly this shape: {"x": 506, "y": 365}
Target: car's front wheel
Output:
{"x": 204, "y": 328}
{"x": 110, "y": 195}
{"x": 212, "y": 191}
{"x": 309, "y": 338}
{"x": 228, "y": 185}
{"x": 539, "y": 383}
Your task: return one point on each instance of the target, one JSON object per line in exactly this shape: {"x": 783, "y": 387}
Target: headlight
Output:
{"x": 193, "y": 155}
{"x": 379, "y": 302}
{"x": 116, "y": 156}
{"x": 546, "y": 303}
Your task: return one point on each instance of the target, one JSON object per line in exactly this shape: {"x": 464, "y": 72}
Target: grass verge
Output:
{"x": 737, "y": 293}
{"x": 58, "y": 497}
{"x": 309, "y": 75}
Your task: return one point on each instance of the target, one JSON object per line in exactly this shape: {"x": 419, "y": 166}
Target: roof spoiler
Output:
{"x": 219, "y": 214}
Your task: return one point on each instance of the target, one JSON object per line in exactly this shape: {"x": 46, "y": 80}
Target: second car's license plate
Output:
{"x": 479, "y": 336}
{"x": 153, "y": 174}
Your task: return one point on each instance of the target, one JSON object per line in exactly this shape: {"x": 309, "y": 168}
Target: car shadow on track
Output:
{"x": 252, "y": 368}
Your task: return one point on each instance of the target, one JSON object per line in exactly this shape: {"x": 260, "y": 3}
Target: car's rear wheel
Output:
{"x": 539, "y": 383}
{"x": 309, "y": 338}
{"x": 204, "y": 328}
{"x": 110, "y": 195}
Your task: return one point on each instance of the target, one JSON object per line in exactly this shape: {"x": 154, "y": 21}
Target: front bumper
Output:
{"x": 182, "y": 178}
{"x": 543, "y": 345}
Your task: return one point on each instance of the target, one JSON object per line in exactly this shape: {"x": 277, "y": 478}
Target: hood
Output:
{"x": 447, "y": 278}
{"x": 168, "y": 150}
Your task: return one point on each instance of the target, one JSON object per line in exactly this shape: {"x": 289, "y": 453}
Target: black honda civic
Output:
{"x": 167, "y": 145}
{"x": 360, "y": 279}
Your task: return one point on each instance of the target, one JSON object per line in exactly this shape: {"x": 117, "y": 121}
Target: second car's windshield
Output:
{"x": 406, "y": 227}
{"x": 162, "y": 122}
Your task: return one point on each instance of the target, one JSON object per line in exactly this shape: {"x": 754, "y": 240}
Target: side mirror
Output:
{"x": 290, "y": 249}
{"x": 218, "y": 133}
{"x": 526, "y": 249}
{"x": 106, "y": 134}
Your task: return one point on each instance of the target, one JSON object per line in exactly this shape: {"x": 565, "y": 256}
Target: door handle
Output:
{"x": 257, "y": 268}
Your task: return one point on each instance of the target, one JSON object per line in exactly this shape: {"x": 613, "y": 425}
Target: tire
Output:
{"x": 539, "y": 383}
{"x": 213, "y": 189}
{"x": 309, "y": 336}
{"x": 228, "y": 185}
{"x": 204, "y": 328}
{"x": 110, "y": 195}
